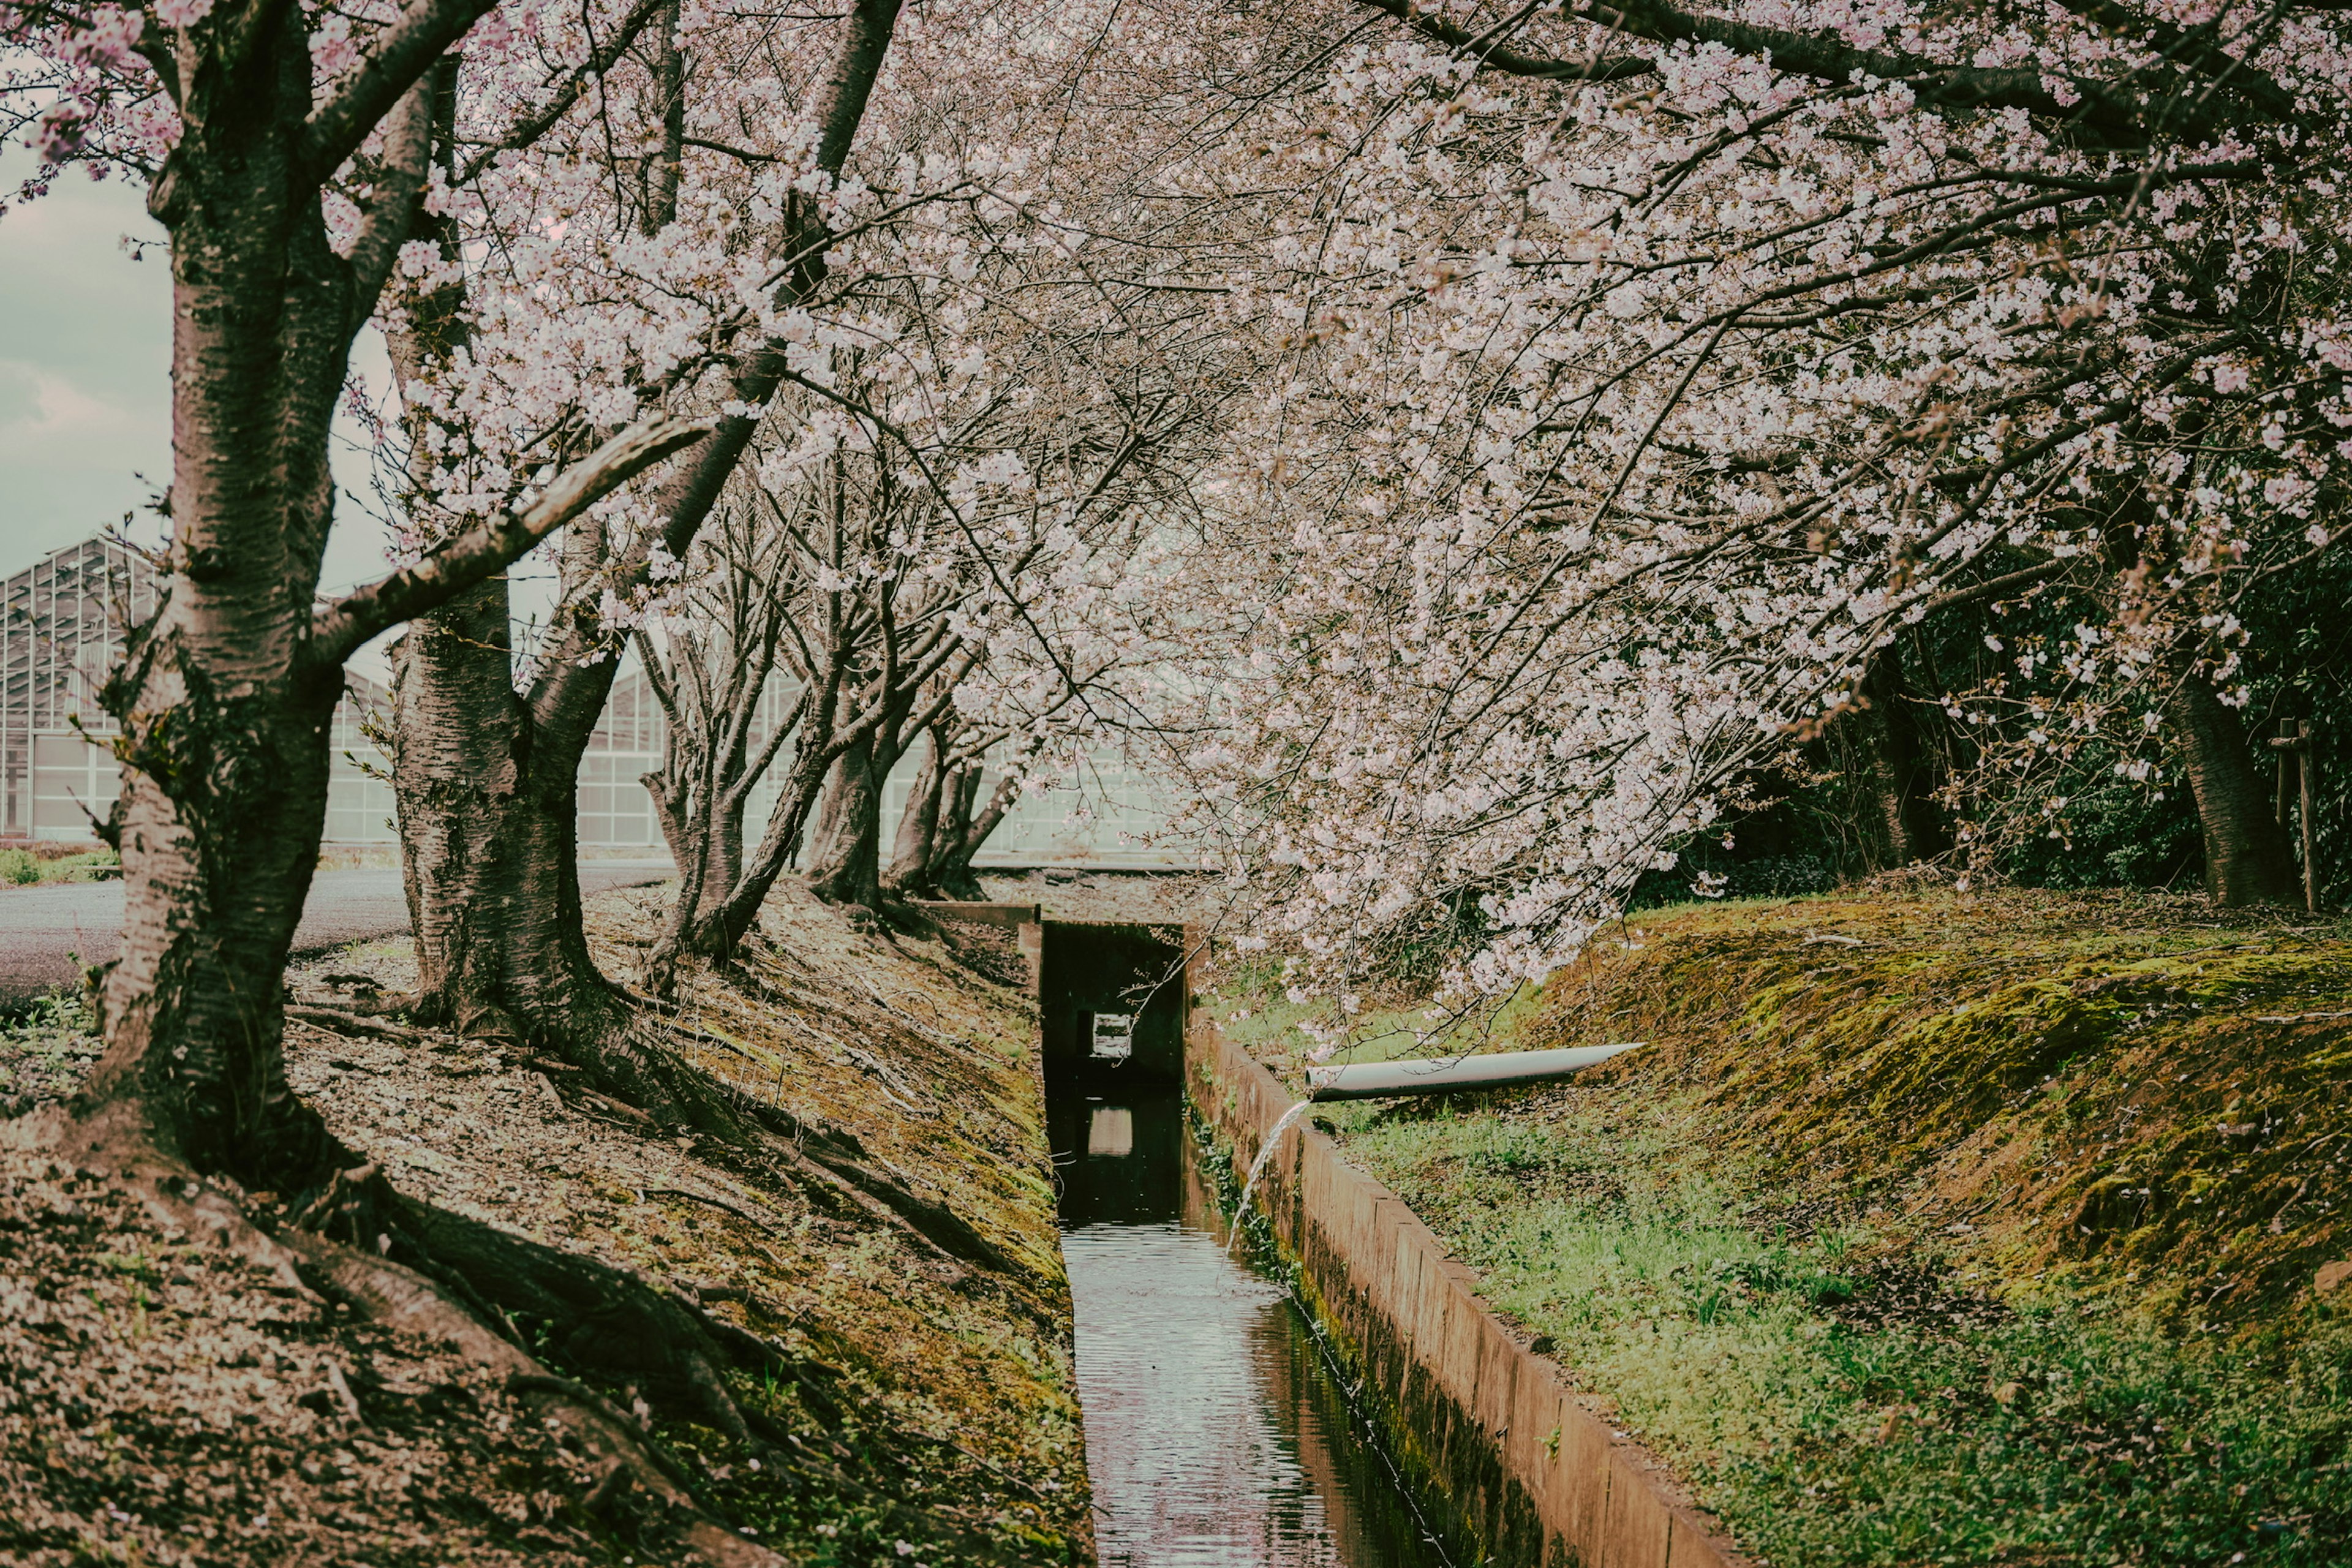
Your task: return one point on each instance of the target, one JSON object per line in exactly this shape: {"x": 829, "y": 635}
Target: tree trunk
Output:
{"x": 962, "y": 836}
{"x": 2247, "y": 858}
{"x": 723, "y": 852}
{"x": 224, "y": 712}
{"x": 845, "y": 859}
{"x": 538, "y": 979}
{"x": 715, "y": 934}
{"x": 1899, "y": 780}
{"x": 689, "y": 850}
{"x": 706, "y": 844}
{"x": 488, "y": 834}
{"x": 914, "y": 848}
{"x": 219, "y": 822}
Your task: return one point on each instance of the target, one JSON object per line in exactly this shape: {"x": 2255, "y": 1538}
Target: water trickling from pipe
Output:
{"x": 1257, "y": 1167}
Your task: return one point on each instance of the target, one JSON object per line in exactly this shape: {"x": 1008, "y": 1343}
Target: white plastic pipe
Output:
{"x": 1450, "y": 1075}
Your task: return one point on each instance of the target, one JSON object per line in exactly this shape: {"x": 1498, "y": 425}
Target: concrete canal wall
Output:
{"x": 1513, "y": 1468}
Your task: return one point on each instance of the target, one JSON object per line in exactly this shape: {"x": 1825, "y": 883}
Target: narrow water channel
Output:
{"x": 1216, "y": 1435}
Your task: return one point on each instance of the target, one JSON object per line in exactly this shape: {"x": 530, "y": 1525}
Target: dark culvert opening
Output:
{"x": 1110, "y": 1002}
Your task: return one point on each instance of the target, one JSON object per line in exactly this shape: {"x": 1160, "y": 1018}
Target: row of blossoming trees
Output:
{"x": 1640, "y": 380}
{"x": 1468, "y": 445}
{"x": 772, "y": 332}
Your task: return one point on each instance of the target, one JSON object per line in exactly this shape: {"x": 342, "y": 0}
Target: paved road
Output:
{"x": 43, "y": 929}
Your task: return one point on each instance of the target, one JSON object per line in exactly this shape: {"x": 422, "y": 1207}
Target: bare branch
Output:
{"x": 338, "y": 630}
{"x": 403, "y": 52}
{"x": 1994, "y": 587}
{"x": 1821, "y": 56}
{"x": 574, "y": 86}
{"x": 1512, "y": 62}
{"x": 407, "y": 154}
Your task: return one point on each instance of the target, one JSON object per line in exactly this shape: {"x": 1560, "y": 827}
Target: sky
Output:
{"x": 85, "y": 361}
{"x": 85, "y": 377}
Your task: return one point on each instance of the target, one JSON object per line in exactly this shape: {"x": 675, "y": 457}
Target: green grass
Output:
{"x": 27, "y": 867}
{"x": 1754, "y": 1353}
{"x": 1854, "y": 1242}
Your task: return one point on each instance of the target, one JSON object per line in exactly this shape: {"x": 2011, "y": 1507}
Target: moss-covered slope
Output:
{"x": 177, "y": 1411}
{"x": 1936, "y": 1229}
{"x": 2119, "y": 1090}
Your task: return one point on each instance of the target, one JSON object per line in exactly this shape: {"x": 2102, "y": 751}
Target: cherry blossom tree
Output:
{"x": 717, "y": 667}
{"x": 667, "y": 260}
{"x": 1634, "y": 373}
{"x": 288, "y": 154}
{"x": 925, "y": 335}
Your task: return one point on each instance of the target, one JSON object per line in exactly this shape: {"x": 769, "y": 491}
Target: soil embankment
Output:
{"x": 1933, "y": 1230}
{"x": 163, "y": 1401}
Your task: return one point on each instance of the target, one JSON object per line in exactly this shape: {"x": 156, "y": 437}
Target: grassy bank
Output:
{"x": 164, "y": 1403}
{"x": 1932, "y": 1230}
{"x": 30, "y": 864}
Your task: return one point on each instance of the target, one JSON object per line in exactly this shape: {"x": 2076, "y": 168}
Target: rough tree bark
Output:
{"x": 962, "y": 833}
{"x": 1899, "y": 780}
{"x": 845, "y": 858}
{"x": 716, "y": 933}
{"x": 489, "y": 852}
{"x": 2247, "y": 857}
{"x": 711, "y": 917}
{"x": 488, "y": 857}
{"x": 915, "y": 845}
{"x": 844, "y": 862}
{"x": 945, "y": 825}
{"x": 223, "y": 701}
{"x": 705, "y": 782}
{"x": 225, "y": 697}
{"x": 533, "y": 984}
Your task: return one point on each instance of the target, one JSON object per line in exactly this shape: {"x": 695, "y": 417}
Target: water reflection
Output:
{"x": 1215, "y": 1436}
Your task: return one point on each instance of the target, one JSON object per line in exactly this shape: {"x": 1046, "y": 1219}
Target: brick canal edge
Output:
{"x": 1511, "y": 1466}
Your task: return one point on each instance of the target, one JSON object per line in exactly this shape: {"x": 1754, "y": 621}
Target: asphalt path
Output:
{"x": 47, "y": 932}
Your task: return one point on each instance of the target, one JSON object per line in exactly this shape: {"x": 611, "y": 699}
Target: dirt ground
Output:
{"x": 162, "y": 1400}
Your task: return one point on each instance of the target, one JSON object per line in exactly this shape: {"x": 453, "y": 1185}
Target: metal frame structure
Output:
{"x": 62, "y": 624}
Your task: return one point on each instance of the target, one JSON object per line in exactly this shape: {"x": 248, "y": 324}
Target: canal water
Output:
{"x": 1216, "y": 1435}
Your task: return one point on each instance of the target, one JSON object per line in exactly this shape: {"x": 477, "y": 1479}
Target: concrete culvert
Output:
{"x": 1110, "y": 999}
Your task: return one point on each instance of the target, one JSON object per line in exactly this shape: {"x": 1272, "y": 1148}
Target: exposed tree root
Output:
{"x": 629, "y": 1080}
{"x": 612, "y": 1064}
{"x": 846, "y": 1165}
{"x": 377, "y": 1003}
{"x": 662, "y": 1348}
{"x": 356, "y": 1240}
{"x": 830, "y": 1165}
{"x": 360, "y": 1020}
{"x": 393, "y": 1294}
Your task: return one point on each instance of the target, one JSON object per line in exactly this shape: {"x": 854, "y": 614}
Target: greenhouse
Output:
{"x": 61, "y": 624}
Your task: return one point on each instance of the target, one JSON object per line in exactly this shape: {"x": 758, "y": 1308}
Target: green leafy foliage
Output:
{"x": 46, "y": 1050}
